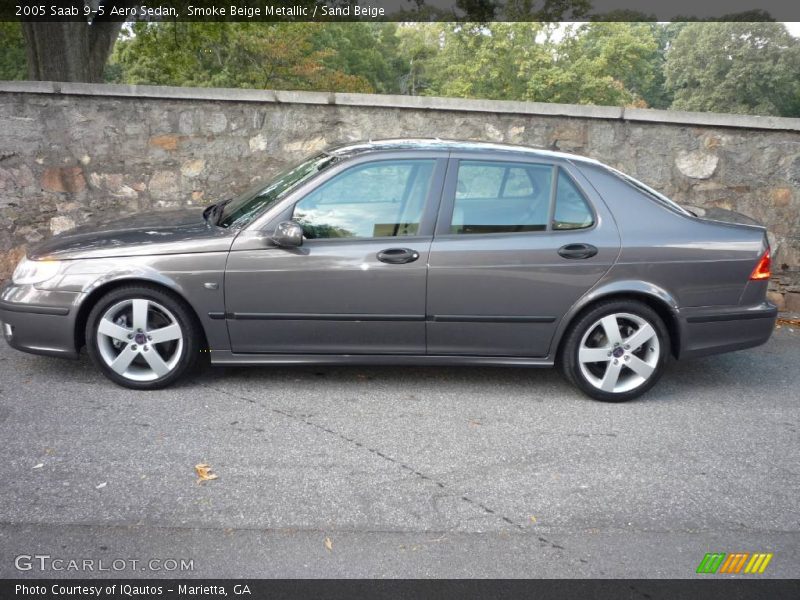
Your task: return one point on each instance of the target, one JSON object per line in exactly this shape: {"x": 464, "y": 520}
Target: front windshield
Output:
{"x": 242, "y": 210}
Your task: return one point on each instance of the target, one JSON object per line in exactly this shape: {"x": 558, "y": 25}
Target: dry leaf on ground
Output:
{"x": 101, "y": 486}
{"x": 204, "y": 472}
{"x": 39, "y": 466}
{"x": 328, "y": 544}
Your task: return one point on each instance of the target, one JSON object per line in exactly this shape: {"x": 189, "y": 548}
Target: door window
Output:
{"x": 379, "y": 199}
{"x": 495, "y": 197}
{"x": 572, "y": 211}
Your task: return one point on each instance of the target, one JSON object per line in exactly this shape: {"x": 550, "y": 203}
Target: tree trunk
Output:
{"x": 69, "y": 51}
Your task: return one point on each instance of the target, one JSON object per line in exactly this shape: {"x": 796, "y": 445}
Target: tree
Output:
{"x": 748, "y": 68}
{"x": 487, "y": 60}
{"x": 417, "y": 48}
{"x": 12, "y": 51}
{"x": 365, "y": 50}
{"x": 219, "y": 54}
{"x": 72, "y": 50}
{"x": 597, "y": 63}
{"x": 608, "y": 63}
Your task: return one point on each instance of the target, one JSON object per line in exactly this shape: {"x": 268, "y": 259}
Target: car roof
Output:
{"x": 361, "y": 147}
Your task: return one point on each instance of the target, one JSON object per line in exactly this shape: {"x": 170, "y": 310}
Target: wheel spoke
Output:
{"x": 165, "y": 334}
{"x": 140, "y": 307}
{"x": 592, "y": 355}
{"x": 611, "y": 327}
{"x": 112, "y": 330}
{"x": 641, "y": 368}
{"x": 156, "y": 363}
{"x": 123, "y": 360}
{"x": 643, "y": 335}
{"x": 611, "y": 376}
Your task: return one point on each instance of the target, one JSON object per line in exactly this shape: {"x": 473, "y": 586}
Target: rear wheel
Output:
{"x": 142, "y": 337}
{"x": 616, "y": 351}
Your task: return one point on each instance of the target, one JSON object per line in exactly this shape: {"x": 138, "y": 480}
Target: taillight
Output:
{"x": 762, "y": 270}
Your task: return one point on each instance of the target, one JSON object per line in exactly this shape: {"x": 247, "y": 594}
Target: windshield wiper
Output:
{"x": 213, "y": 213}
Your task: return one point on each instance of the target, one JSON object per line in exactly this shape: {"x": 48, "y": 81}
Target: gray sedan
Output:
{"x": 404, "y": 252}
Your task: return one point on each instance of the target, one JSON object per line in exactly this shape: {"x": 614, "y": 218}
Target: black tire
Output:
{"x": 188, "y": 357}
{"x": 586, "y": 324}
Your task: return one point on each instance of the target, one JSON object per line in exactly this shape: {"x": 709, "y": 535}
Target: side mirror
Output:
{"x": 288, "y": 234}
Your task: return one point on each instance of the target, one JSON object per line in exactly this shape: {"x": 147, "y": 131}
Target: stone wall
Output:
{"x": 73, "y": 152}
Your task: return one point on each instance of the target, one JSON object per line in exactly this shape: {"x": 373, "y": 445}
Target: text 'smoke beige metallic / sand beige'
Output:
{"x": 402, "y": 252}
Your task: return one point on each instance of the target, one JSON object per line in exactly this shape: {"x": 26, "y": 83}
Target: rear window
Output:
{"x": 500, "y": 197}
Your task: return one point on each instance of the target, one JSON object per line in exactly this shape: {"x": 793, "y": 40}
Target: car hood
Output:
{"x": 157, "y": 232}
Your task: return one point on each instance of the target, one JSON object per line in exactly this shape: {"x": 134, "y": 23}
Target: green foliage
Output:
{"x": 610, "y": 63}
{"x": 597, "y": 63}
{"x": 366, "y": 51}
{"x": 748, "y": 68}
{"x": 12, "y": 51}
{"x": 736, "y": 66}
{"x": 246, "y": 55}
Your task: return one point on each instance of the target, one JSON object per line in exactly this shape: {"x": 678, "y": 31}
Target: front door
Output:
{"x": 357, "y": 284}
{"x": 516, "y": 245}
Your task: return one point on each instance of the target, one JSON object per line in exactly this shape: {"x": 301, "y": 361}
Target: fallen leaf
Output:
{"x": 533, "y": 519}
{"x": 101, "y": 486}
{"x": 204, "y": 472}
{"x": 474, "y": 423}
{"x": 328, "y": 544}
{"x": 39, "y": 466}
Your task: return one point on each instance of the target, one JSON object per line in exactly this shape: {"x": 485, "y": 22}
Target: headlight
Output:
{"x": 35, "y": 271}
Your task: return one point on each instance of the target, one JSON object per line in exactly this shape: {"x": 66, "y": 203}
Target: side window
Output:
{"x": 572, "y": 211}
{"x": 379, "y": 199}
{"x": 496, "y": 197}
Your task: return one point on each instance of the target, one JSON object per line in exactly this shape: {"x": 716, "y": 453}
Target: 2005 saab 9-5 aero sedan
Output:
{"x": 405, "y": 252}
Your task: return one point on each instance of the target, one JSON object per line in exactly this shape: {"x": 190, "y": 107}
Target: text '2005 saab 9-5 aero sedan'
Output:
{"x": 405, "y": 252}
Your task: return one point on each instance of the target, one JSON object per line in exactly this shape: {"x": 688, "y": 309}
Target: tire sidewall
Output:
{"x": 571, "y": 364}
{"x": 191, "y": 344}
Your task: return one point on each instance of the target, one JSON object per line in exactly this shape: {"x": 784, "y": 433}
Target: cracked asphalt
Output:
{"x": 406, "y": 472}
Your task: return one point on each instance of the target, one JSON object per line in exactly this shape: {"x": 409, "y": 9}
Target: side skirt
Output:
{"x": 227, "y": 358}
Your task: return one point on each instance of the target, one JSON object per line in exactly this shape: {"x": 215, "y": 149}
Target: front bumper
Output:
{"x": 39, "y": 321}
{"x": 714, "y": 330}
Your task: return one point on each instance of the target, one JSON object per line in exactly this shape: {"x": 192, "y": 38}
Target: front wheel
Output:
{"x": 616, "y": 351}
{"x": 142, "y": 337}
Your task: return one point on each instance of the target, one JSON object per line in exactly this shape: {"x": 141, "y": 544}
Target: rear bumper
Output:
{"x": 713, "y": 330}
{"x": 39, "y": 321}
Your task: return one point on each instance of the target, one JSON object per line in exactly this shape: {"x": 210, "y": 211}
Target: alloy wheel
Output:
{"x": 139, "y": 339}
{"x": 619, "y": 352}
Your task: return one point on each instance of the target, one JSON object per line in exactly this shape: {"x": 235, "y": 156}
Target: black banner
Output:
{"x": 376, "y": 589}
{"x": 399, "y": 10}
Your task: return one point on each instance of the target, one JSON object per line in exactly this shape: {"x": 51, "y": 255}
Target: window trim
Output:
{"x": 447, "y": 205}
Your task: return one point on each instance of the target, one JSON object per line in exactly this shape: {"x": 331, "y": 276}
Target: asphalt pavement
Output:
{"x": 398, "y": 472}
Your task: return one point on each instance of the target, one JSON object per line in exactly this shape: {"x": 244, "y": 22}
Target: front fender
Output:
{"x": 199, "y": 284}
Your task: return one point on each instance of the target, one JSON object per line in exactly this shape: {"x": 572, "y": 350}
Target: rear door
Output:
{"x": 517, "y": 242}
{"x": 357, "y": 284}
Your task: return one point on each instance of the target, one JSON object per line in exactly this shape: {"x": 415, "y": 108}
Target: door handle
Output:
{"x": 573, "y": 251}
{"x": 397, "y": 256}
